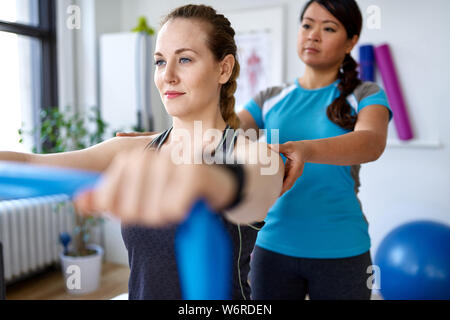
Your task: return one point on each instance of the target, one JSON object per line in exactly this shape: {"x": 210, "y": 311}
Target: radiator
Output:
{"x": 29, "y": 231}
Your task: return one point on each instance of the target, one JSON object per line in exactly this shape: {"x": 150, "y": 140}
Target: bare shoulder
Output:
{"x": 102, "y": 154}
{"x": 118, "y": 144}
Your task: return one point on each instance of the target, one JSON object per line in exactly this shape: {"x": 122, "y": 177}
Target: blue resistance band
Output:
{"x": 203, "y": 246}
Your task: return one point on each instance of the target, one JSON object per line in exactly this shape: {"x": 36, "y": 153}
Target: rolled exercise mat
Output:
{"x": 202, "y": 244}
{"x": 392, "y": 86}
{"x": 367, "y": 63}
{"x": 204, "y": 255}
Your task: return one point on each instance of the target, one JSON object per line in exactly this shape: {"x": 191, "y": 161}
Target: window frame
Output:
{"x": 46, "y": 33}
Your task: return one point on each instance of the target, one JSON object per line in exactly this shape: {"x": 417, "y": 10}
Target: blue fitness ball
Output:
{"x": 414, "y": 262}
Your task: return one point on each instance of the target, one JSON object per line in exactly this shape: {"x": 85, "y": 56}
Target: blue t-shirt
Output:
{"x": 320, "y": 216}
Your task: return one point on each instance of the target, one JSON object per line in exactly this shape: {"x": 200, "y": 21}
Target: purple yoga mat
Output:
{"x": 392, "y": 86}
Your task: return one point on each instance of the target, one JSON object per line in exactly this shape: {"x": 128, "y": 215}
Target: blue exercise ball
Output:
{"x": 414, "y": 262}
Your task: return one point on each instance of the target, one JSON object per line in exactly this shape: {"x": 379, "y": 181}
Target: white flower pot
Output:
{"x": 82, "y": 274}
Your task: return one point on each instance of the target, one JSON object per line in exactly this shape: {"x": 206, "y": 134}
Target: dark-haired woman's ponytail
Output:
{"x": 339, "y": 111}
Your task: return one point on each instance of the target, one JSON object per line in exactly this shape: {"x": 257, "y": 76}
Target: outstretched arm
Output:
{"x": 150, "y": 188}
{"x": 365, "y": 144}
{"x": 95, "y": 158}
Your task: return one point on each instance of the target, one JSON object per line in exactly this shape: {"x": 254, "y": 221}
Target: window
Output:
{"x": 28, "y": 80}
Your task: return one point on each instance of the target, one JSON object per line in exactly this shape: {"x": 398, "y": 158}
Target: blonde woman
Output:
{"x": 150, "y": 191}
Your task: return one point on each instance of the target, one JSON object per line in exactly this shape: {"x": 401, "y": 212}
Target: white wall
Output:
{"x": 407, "y": 182}
{"x": 78, "y": 78}
{"x": 77, "y": 65}
{"x": 413, "y": 182}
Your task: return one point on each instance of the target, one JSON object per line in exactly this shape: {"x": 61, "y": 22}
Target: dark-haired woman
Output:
{"x": 315, "y": 239}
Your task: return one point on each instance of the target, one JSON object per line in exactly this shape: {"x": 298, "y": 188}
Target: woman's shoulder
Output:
{"x": 272, "y": 92}
{"x": 365, "y": 89}
{"x": 128, "y": 143}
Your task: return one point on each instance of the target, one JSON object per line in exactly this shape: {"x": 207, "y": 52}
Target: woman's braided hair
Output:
{"x": 221, "y": 43}
{"x": 348, "y": 13}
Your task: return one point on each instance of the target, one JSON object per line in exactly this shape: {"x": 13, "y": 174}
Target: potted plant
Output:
{"x": 81, "y": 263}
{"x": 81, "y": 259}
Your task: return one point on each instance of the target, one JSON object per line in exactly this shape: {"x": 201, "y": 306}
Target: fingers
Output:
{"x": 106, "y": 197}
{"x": 294, "y": 163}
{"x": 84, "y": 202}
{"x": 103, "y": 198}
{"x": 274, "y": 147}
{"x": 284, "y": 148}
{"x": 134, "y": 186}
{"x": 292, "y": 173}
{"x": 143, "y": 188}
{"x": 160, "y": 174}
{"x": 172, "y": 204}
{"x": 179, "y": 189}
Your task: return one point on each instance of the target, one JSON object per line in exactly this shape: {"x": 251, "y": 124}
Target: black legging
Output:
{"x": 277, "y": 276}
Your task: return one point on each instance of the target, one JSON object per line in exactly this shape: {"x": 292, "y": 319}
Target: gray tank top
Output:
{"x": 151, "y": 251}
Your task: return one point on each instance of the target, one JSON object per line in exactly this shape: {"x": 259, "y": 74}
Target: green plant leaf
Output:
{"x": 143, "y": 27}
{"x": 65, "y": 131}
